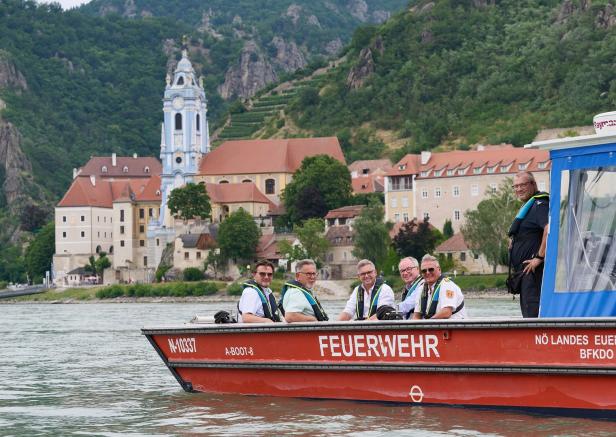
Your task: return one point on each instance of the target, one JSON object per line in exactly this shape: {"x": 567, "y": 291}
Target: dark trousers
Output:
{"x": 531, "y": 292}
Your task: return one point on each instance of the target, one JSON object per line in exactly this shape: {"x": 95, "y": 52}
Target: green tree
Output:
{"x": 486, "y": 227}
{"x": 416, "y": 239}
{"x": 190, "y": 201}
{"x": 372, "y": 235}
{"x": 98, "y": 266}
{"x": 192, "y": 274}
{"x": 447, "y": 229}
{"x": 40, "y": 253}
{"x": 313, "y": 243}
{"x": 238, "y": 236}
{"x": 320, "y": 177}
{"x": 216, "y": 261}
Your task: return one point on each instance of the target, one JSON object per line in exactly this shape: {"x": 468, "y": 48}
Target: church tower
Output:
{"x": 184, "y": 134}
{"x": 184, "y": 139}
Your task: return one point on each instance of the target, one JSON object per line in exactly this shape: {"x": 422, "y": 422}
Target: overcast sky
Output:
{"x": 66, "y": 4}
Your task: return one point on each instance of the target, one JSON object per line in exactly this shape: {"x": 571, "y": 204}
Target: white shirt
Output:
{"x": 250, "y": 302}
{"x": 449, "y": 295}
{"x": 386, "y": 297}
{"x": 408, "y": 304}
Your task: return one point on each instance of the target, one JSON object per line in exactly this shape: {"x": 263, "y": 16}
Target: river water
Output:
{"x": 86, "y": 370}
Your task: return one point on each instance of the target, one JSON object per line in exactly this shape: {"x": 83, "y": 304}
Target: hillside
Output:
{"x": 460, "y": 72}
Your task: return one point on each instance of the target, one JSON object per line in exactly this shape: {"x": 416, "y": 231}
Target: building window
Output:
{"x": 405, "y": 217}
{"x": 121, "y": 215}
{"x": 396, "y": 217}
{"x": 151, "y": 212}
{"x": 462, "y": 171}
{"x": 246, "y": 181}
{"x": 491, "y": 169}
{"x": 475, "y": 255}
{"x": 450, "y": 172}
{"x": 456, "y": 215}
{"x": 426, "y": 216}
{"x": 542, "y": 165}
{"x": 224, "y": 182}
{"x": 394, "y": 202}
{"x": 141, "y": 229}
{"x": 105, "y": 234}
{"x": 111, "y": 250}
{"x": 407, "y": 182}
{"x": 105, "y": 219}
{"x": 141, "y": 213}
{"x": 178, "y": 121}
{"x": 83, "y": 218}
{"x": 438, "y": 172}
{"x": 145, "y": 261}
{"x": 121, "y": 229}
{"x": 83, "y": 234}
{"x": 125, "y": 169}
{"x": 63, "y": 234}
{"x": 98, "y": 234}
{"x": 98, "y": 219}
{"x": 104, "y": 169}
{"x": 158, "y": 242}
{"x": 424, "y": 174}
{"x": 462, "y": 256}
{"x": 98, "y": 249}
{"x": 64, "y": 219}
{"x": 198, "y": 123}
{"x": 270, "y": 186}
{"x": 424, "y": 193}
{"x": 121, "y": 243}
{"x": 477, "y": 170}
{"x": 456, "y": 191}
{"x": 437, "y": 192}
{"x": 141, "y": 243}
{"x": 395, "y": 183}
{"x": 146, "y": 169}
{"x": 405, "y": 202}
{"x": 522, "y": 166}
{"x": 186, "y": 255}
{"x": 474, "y": 190}
{"x": 493, "y": 188}
{"x": 199, "y": 255}
{"x": 505, "y": 168}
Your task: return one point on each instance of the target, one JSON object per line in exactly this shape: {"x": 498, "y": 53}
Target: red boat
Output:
{"x": 562, "y": 362}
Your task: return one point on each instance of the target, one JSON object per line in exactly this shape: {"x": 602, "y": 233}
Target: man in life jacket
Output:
{"x": 298, "y": 302}
{"x": 413, "y": 284}
{"x": 528, "y": 236}
{"x": 367, "y": 297}
{"x": 440, "y": 298}
{"x": 257, "y": 304}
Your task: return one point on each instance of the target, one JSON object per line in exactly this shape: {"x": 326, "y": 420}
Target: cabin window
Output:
{"x": 586, "y": 258}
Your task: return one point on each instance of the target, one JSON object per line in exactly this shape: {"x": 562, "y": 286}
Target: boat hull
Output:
{"x": 554, "y": 364}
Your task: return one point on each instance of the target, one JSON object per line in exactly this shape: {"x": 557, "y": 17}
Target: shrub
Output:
{"x": 235, "y": 289}
{"x": 192, "y": 274}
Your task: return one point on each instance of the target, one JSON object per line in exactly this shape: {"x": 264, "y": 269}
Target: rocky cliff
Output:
{"x": 251, "y": 73}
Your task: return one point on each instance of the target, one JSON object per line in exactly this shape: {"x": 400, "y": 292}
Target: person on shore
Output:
{"x": 298, "y": 301}
{"x": 413, "y": 284}
{"x": 368, "y": 296}
{"x": 528, "y": 236}
{"x": 440, "y": 298}
{"x": 258, "y": 304}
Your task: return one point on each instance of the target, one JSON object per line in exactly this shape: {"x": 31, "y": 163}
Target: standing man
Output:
{"x": 440, "y": 298}
{"x": 299, "y": 304}
{"x": 257, "y": 304}
{"x": 413, "y": 284}
{"x": 528, "y": 234}
{"x": 367, "y": 297}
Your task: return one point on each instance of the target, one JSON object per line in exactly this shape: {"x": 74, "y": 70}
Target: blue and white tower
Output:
{"x": 184, "y": 139}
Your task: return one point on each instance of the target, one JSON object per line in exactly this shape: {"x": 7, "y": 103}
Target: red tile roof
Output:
{"x": 490, "y": 156}
{"x": 136, "y": 167}
{"x": 268, "y": 247}
{"x": 380, "y": 166}
{"x": 454, "y": 244}
{"x": 266, "y": 156}
{"x": 397, "y": 227}
{"x": 345, "y": 212}
{"x": 367, "y": 184}
{"x": 105, "y": 191}
{"x": 236, "y": 193}
{"x": 151, "y": 191}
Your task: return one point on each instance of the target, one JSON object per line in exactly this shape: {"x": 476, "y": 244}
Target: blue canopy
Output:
{"x": 579, "y": 279}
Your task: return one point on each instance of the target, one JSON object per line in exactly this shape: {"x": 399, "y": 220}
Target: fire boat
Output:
{"x": 561, "y": 363}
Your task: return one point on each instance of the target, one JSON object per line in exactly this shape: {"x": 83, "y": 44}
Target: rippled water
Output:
{"x": 87, "y": 370}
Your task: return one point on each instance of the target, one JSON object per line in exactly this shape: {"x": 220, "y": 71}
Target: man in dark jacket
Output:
{"x": 528, "y": 233}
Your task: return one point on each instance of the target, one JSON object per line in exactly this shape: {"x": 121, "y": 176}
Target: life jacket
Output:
{"x": 515, "y": 226}
{"x": 408, "y": 291}
{"x": 319, "y": 312}
{"x": 428, "y": 312}
{"x": 374, "y": 300}
{"x": 270, "y": 309}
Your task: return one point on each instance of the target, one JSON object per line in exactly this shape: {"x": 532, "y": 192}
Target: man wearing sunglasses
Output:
{"x": 298, "y": 302}
{"x": 257, "y": 304}
{"x": 367, "y": 297}
{"x": 440, "y": 298}
{"x": 413, "y": 284}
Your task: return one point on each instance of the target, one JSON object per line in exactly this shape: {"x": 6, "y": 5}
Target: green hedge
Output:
{"x": 175, "y": 289}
